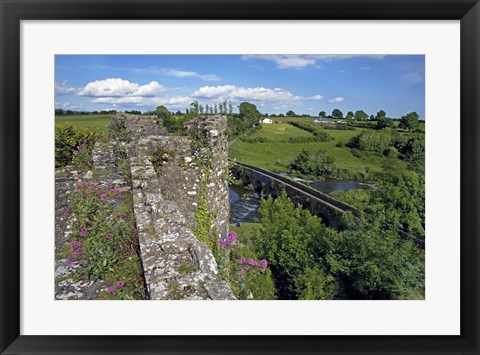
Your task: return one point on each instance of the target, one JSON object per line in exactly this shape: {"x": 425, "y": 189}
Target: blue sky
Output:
{"x": 306, "y": 84}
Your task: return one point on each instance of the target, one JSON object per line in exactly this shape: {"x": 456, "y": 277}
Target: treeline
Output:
{"x": 60, "y": 112}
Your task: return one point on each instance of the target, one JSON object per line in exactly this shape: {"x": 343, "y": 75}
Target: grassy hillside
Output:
{"x": 96, "y": 123}
{"x": 276, "y": 154}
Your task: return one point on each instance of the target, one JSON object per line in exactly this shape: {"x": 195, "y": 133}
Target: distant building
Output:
{"x": 321, "y": 120}
{"x": 267, "y": 120}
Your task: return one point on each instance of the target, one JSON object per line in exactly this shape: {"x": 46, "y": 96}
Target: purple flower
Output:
{"x": 251, "y": 262}
{"x": 71, "y": 256}
{"x": 117, "y": 192}
{"x": 241, "y": 271}
{"x": 263, "y": 263}
{"x": 111, "y": 289}
{"x": 79, "y": 186}
{"x": 83, "y": 231}
{"x": 80, "y": 262}
{"x": 209, "y": 234}
{"x": 70, "y": 263}
{"x": 87, "y": 185}
{"x": 89, "y": 222}
{"x": 103, "y": 196}
{"x": 108, "y": 235}
{"x": 241, "y": 261}
{"x": 65, "y": 212}
{"x": 80, "y": 251}
{"x": 232, "y": 235}
{"x": 120, "y": 283}
{"x": 74, "y": 245}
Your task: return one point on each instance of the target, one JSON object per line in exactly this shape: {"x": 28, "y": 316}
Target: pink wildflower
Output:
{"x": 263, "y": 263}
{"x": 65, "y": 212}
{"x": 241, "y": 261}
{"x": 251, "y": 262}
{"x": 241, "y": 271}
{"x": 74, "y": 245}
{"x": 80, "y": 262}
{"x": 87, "y": 185}
{"x": 209, "y": 234}
{"x": 83, "y": 231}
{"x": 111, "y": 289}
{"x": 79, "y": 186}
{"x": 117, "y": 192}
{"x": 103, "y": 196}
{"x": 89, "y": 222}
{"x": 70, "y": 263}
{"x": 108, "y": 235}
{"x": 71, "y": 256}
{"x": 80, "y": 251}
{"x": 120, "y": 283}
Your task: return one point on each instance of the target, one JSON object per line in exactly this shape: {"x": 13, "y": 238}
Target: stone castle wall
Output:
{"x": 176, "y": 265}
{"x": 165, "y": 202}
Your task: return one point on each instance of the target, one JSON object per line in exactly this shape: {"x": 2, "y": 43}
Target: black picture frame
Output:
{"x": 13, "y": 12}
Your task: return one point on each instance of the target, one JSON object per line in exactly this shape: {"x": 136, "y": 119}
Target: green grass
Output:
{"x": 96, "y": 123}
{"x": 247, "y": 231}
{"x": 277, "y": 133}
{"x": 276, "y": 155}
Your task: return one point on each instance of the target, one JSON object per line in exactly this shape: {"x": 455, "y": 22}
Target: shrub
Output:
{"x": 118, "y": 130}
{"x": 319, "y": 163}
{"x": 68, "y": 139}
{"x": 371, "y": 141}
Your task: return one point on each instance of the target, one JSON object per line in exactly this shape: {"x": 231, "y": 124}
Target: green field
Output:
{"x": 96, "y": 123}
{"x": 276, "y": 154}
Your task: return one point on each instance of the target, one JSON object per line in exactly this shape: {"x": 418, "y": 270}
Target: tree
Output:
{"x": 200, "y": 108}
{"x": 409, "y": 121}
{"x": 350, "y": 113}
{"x": 291, "y": 241}
{"x": 162, "y": 112}
{"x": 249, "y": 112}
{"x": 318, "y": 163}
{"x": 230, "y": 107}
{"x": 381, "y": 114}
{"x": 290, "y": 114}
{"x": 178, "y": 113}
{"x": 360, "y": 115}
{"x": 349, "y": 117}
{"x": 207, "y": 109}
{"x": 336, "y": 113}
{"x": 194, "y": 108}
{"x": 322, "y": 114}
{"x": 384, "y": 122}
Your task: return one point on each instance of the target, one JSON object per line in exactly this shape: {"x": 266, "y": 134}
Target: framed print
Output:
{"x": 239, "y": 177}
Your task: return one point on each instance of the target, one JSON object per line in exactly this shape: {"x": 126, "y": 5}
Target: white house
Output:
{"x": 322, "y": 120}
{"x": 267, "y": 120}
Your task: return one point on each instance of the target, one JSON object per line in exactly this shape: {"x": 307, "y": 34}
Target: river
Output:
{"x": 244, "y": 202}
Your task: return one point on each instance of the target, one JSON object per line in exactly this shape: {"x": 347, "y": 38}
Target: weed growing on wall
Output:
{"x": 104, "y": 242}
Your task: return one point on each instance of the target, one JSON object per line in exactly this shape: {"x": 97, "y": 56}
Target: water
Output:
{"x": 329, "y": 185}
{"x": 244, "y": 203}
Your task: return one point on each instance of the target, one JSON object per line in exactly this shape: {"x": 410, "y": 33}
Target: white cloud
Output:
{"x": 116, "y": 87}
{"x": 336, "y": 100}
{"x": 284, "y": 61}
{"x": 412, "y": 78}
{"x": 191, "y": 74}
{"x": 141, "y": 101}
{"x": 301, "y": 61}
{"x": 63, "y": 89}
{"x": 232, "y": 92}
{"x": 177, "y": 73}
